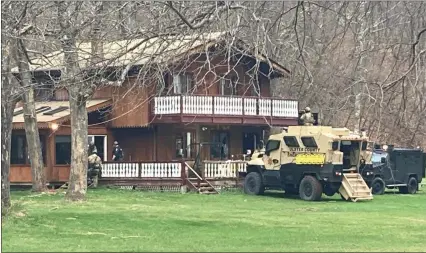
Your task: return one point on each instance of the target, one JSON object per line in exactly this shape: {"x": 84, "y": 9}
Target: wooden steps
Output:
{"x": 354, "y": 188}
{"x": 202, "y": 186}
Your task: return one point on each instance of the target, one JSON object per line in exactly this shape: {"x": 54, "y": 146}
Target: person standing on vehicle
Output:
{"x": 117, "y": 152}
{"x": 307, "y": 118}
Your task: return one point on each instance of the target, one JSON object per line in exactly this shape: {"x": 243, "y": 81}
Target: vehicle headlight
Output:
{"x": 369, "y": 173}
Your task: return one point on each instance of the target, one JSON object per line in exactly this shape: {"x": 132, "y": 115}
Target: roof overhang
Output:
{"x": 45, "y": 121}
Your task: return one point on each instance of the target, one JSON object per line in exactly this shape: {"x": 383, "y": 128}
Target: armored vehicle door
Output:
{"x": 272, "y": 161}
{"x": 272, "y": 157}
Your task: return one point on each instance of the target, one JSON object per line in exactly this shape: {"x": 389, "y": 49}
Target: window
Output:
{"x": 272, "y": 145}
{"x": 228, "y": 87}
{"x": 377, "y": 157}
{"x": 291, "y": 142}
{"x": 309, "y": 142}
{"x": 335, "y": 145}
{"x": 183, "y": 145}
{"x": 221, "y": 149}
{"x": 19, "y": 150}
{"x": 63, "y": 149}
{"x": 182, "y": 83}
{"x": 364, "y": 145}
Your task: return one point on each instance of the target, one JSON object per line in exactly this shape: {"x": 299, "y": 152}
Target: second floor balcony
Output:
{"x": 225, "y": 110}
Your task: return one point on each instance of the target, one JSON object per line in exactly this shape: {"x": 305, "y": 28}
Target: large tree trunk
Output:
{"x": 78, "y": 174}
{"x": 73, "y": 79}
{"x": 7, "y": 107}
{"x": 31, "y": 128}
{"x": 6, "y": 134}
{"x": 33, "y": 143}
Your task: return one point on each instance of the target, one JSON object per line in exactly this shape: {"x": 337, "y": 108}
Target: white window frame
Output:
{"x": 92, "y": 138}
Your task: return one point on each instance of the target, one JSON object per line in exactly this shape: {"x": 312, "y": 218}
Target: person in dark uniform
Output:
{"x": 117, "y": 152}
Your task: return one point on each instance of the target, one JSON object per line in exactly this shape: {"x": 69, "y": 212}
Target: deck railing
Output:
{"x": 142, "y": 169}
{"x": 223, "y": 105}
{"x": 174, "y": 169}
{"x": 223, "y": 169}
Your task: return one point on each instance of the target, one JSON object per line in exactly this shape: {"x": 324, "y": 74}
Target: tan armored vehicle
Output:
{"x": 311, "y": 160}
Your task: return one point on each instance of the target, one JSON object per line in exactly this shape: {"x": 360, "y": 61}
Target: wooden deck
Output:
{"x": 171, "y": 175}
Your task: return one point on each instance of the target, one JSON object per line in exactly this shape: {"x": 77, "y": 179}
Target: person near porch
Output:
{"x": 117, "y": 152}
{"x": 92, "y": 148}
{"x": 94, "y": 169}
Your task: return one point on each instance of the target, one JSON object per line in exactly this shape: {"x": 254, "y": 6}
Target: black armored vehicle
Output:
{"x": 401, "y": 168}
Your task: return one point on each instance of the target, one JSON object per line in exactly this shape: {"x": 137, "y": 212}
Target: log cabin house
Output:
{"x": 209, "y": 91}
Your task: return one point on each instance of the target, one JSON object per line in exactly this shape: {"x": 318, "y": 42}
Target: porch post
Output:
{"x": 183, "y": 176}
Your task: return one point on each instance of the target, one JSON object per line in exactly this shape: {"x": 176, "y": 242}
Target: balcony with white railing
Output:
{"x": 224, "y": 106}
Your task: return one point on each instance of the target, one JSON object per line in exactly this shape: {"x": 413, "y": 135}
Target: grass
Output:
{"x": 123, "y": 220}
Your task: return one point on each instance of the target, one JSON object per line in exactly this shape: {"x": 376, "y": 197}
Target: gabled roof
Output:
{"x": 55, "y": 112}
{"x": 143, "y": 51}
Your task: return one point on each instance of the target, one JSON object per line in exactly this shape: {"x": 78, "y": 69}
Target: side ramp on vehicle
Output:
{"x": 354, "y": 188}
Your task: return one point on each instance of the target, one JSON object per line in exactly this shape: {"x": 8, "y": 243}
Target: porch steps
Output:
{"x": 354, "y": 188}
{"x": 203, "y": 187}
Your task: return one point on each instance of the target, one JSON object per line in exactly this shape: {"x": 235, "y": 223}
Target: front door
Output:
{"x": 250, "y": 142}
{"x": 101, "y": 145}
{"x": 220, "y": 151}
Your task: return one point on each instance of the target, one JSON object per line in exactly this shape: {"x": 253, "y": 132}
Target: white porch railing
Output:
{"x": 219, "y": 105}
{"x": 223, "y": 169}
{"x": 212, "y": 169}
{"x": 135, "y": 170}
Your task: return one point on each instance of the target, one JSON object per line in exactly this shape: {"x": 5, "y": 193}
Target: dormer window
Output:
{"x": 182, "y": 83}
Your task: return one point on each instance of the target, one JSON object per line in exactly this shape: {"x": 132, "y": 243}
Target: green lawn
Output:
{"x": 123, "y": 220}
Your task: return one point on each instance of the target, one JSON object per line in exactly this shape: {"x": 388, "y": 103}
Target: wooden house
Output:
{"x": 207, "y": 90}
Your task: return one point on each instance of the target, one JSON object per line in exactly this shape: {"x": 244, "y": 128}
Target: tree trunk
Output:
{"x": 33, "y": 143}
{"x": 7, "y": 109}
{"x": 30, "y": 117}
{"x": 78, "y": 173}
{"x": 75, "y": 82}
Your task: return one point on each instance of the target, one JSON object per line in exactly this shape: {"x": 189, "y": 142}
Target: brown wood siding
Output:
{"x": 131, "y": 105}
{"x": 137, "y": 143}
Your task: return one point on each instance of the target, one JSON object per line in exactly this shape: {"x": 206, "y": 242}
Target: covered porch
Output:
{"x": 173, "y": 175}
{"x": 55, "y": 139}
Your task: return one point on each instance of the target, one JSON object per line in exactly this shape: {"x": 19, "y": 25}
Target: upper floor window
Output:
{"x": 182, "y": 83}
{"x": 228, "y": 86}
{"x": 43, "y": 92}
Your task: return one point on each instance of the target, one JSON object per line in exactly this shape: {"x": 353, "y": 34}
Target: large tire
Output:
{"x": 310, "y": 189}
{"x": 253, "y": 184}
{"x": 378, "y": 186}
{"x": 411, "y": 187}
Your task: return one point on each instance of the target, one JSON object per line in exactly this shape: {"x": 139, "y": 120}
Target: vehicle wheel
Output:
{"x": 378, "y": 186}
{"x": 253, "y": 184}
{"x": 310, "y": 189}
{"x": 411, "y": 187}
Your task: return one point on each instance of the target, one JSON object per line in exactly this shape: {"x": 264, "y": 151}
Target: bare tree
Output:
{"x": 25, "y": 79}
